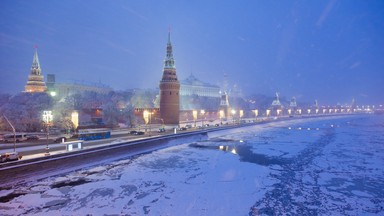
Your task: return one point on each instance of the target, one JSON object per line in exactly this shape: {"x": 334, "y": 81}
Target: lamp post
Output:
{"x": 47, "y": 117}
{"x": 147, "y": 118}
{"x": 233, "y": 115}
{"x": 150, "y": 122}
{"x": 194, "y": 114}
{"x": 14, "y": 133}
{"x": 202, "y": 112}
{"x": 221, "y": 115}
{"x": 256, "y": 114}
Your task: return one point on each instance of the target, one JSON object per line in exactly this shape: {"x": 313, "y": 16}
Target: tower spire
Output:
{"x": 35, "y": 69}
{"x": 169, "y": 35}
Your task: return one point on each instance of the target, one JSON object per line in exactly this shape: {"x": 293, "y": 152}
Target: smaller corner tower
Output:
{"x": 35, "y": 81}
{"x": 224, "y": 105}
{"x": 169, "y": 89}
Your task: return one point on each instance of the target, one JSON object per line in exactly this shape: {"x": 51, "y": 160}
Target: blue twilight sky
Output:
{"x": 330, "y": 50}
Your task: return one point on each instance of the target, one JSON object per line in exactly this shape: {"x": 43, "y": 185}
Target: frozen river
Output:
{"x": 322, "y": 166}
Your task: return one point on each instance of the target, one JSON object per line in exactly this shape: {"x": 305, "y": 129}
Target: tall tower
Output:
{"x": 224, "y": 105}
{"x": 169, "y": 89}
{"x": 35, "y": 81}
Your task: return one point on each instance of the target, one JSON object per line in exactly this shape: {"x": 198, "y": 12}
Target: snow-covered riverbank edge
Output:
{"x": 301, "y": 171}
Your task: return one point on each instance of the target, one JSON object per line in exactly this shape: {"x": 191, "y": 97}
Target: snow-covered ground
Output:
{"x": 329, "y": 166}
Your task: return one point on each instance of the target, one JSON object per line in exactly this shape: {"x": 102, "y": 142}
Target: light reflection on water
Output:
{"x": 245, "y": 153}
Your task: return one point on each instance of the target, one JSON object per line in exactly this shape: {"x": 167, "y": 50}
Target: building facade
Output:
{"x": 169, "y": 89}
{"x": 35, "y": 81}
{"x": 193, "y": 86}
{"x": 62, "y": 90}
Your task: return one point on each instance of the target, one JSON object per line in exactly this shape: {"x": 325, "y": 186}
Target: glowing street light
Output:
{"x": 256, "y": 113}
{"x": 233, "y": 115}
{"x": 47, "y": 118}
{"x": 147, "y": 119}
{"x": 268, "y": 112}
{"x": 194, "y": 114}
{"x": 278, "y": 112}
{"x": 75, "y": 118}
{"x": 221, "y": 115}
{"x": 202, "y": 112}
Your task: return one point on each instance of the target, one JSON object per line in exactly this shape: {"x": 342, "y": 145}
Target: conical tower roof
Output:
{"x": 35, "y": 69}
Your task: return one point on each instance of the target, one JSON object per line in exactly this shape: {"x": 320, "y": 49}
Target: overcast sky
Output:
{"x": 332, "y": 50}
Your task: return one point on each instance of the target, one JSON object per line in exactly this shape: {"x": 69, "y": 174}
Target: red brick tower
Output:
{"x": 169, "y": 89}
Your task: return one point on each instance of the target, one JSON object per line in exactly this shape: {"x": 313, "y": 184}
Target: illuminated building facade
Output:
{"x": 35, "y": 81}
{"x": 169, "y": 89}
{"x": 193, "y": 86}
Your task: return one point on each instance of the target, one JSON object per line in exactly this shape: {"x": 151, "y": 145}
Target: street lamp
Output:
{"x": 233, "y": 115}
{"x": 194, "y": 114}
{"x": 47, "y": 118}
{"x": 256, "y": 114}
{"x": 221, "y": 115}
{"x": 147, "y": 118}
{"x": 202, "y": 112}
{"x": 14, "y": 133}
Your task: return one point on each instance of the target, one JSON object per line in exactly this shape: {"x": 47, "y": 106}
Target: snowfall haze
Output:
{"x": 331, "y": 51}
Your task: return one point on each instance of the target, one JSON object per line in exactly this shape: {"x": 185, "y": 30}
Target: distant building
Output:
{"x": 67, "y": 89}
{"x": 62, "y": 90}
{"x": 276, "y": 106}
{"x": 35, "y": 81}
{"x": 276, "y": 102}
{"x": 193, "y": 86}
{"x": 169, "y": 89}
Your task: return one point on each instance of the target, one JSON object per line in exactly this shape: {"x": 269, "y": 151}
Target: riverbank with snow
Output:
{"x": 329, "y": 166}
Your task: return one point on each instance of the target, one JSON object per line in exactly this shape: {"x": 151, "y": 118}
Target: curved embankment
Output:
{"x": 37, "y": 168}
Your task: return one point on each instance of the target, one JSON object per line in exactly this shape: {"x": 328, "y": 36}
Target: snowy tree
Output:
{"x": 25, "y": 110}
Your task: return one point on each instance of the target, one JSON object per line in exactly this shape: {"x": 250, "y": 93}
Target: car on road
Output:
{"x": 15, "y": 137}
{"x": 182, "y": 128}
{"x": 217, "y": 125}
{"x": 133, "y": 132}
{"x": 32, "y": 137}
{"x": 10, "y": 156}
{"x": 139, "y": 133}
{"x": 161, "y": 130}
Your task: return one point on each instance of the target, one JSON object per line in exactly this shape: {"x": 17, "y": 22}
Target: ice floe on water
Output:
{"x": 335, "y": 168}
